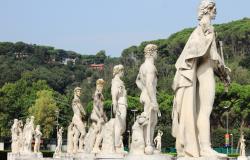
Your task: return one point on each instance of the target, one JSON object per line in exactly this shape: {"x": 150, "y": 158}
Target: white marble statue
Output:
{"x": 14, "y": 137}
{"x": 242, "y": 148}
{"x": 70, "y": 135}
{"x": 157, "y": 141}
{"x": 138, "y": 140}
{"x": 98, "y": 117}
{"x": 28, "y": 133}
{"x": 37, "y": 135}
{"x": 119, "y": 101}
{"x": 79, "y": 113}
{"x": 146, "y": 82}
{"x": 194, "y": 87}
{"x": 59, "y": 141}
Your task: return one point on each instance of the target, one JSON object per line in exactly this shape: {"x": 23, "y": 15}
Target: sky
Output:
{"x": 88, "y": 26}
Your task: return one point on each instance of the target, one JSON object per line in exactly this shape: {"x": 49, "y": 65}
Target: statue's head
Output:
{"x": 160, "y": 133}
{"x": 118, "y": 70}
{"x": 99, "y": 85}
{"x": 38, "y": 127}
{"x": 32, "y": 118}
{"x": 20, "y": 123}
{"x": 15, "y": 121}
{"x": 207, "y": 7}
{"x": 150, "y": 51}
{"x": 27, "y": 120}
{"x": 77, "y": 91}
{"x": 142, "y": 118}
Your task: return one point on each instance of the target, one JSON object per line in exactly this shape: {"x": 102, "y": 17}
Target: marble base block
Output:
{"x": 148, "y": 157}
{"x": 201, "y": 158}
{"x": 84, "y": 156}
{"x": 111, "y": 156}
{"x": 62, "y": 156}
{"x": 242, "y": 158}
{"x": 25, "y": 156}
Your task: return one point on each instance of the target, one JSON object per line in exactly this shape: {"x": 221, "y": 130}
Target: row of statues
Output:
{"x": 107, "y": 136}
{"x": 194, "y": 90}
{"x": 23, "y": 136}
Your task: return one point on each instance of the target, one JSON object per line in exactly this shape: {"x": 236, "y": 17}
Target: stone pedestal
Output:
{"x": 111, "y": 156}
{"x": 84, "y": 156}
{"x": 201, "y": 158}
{"x": 62, "y": 156}
{"x": 148, "y": 157}
{"x": 242, "y": 158}
{"x": 24, "y": 156}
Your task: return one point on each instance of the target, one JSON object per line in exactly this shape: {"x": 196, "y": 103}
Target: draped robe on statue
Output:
{"x": 186, "y": 104}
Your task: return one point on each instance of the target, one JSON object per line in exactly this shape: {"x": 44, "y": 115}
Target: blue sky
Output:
{"x": 87, "y": 26}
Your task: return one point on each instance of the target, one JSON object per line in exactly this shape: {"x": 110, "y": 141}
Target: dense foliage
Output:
{"x": 39, "y": 80}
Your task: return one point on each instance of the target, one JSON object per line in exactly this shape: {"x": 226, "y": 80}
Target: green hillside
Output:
{"x": 39, "y": 80}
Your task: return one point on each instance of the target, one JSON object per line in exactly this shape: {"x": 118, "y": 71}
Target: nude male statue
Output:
{"x": 146, "y": 82}
{"x": 79, "y": 113}
{"x": 119, "y": 100}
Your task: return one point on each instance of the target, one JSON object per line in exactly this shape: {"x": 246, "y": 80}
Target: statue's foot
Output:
{"x": 209, "y": 152}
{"x": 120, "y": 150}
{"x": 157, "y": 151}
{"x": 80, "y": 151}
{"x": 96, "y": 150}
{"x": 149, "y": 150}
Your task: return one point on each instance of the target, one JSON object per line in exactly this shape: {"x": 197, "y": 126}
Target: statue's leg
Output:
{"x": 154, "y": 120}
{"x": 98, "y": 141}
{"x": 117, "y": 132}
{"x": 83, "y": 133}
{"x": 206, "y": 96}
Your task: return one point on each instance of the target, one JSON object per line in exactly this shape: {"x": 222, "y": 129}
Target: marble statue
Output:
{"x": 14, "y": 137}
{"x": 119, "y": 101}
{"x": 79, "y": 113}
{"x": 70, "y": 135}
{"x": 242, "y": 148}
{"x": 98, "y": 118}
{"x": 37, "y": 135}
{"x": 194, "y": 87}
{"x": 59, "y": 141}
{"x": 138, "y": 140}
{"x": 146, "y": 82}
{"x": 157, "y": 141}
{"x": 28, "y": 134}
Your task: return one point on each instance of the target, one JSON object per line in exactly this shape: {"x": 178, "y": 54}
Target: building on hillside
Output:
{"x": 66, "y": 60}
{"x": 21, "y": 55}
{"x": 99, "y": 67}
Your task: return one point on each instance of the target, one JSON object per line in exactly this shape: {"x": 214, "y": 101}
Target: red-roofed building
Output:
{"x": 99, "y": 67}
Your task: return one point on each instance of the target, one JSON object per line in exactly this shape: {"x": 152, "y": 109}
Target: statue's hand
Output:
{"x": 228, "y": 70}
{"x": 155, "y": 106}
{"x": 159, "y": 113}
{"x": 118, "y": 113}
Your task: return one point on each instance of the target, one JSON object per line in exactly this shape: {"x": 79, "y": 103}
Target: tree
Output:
{"x": 100, "y": 56}
{"x": 44, "y": 111}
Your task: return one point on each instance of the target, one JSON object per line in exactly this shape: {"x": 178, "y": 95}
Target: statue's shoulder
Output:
{"x": 76, "y": 100}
